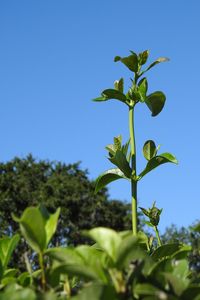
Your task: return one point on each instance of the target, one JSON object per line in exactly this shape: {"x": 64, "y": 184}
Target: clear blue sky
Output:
{"x": 55, "y": 56}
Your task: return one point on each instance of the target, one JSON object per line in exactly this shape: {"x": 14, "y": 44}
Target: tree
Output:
{"x": 28, "y": 182}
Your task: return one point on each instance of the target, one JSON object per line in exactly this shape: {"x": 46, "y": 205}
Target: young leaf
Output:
{"x": 111, "y": 94}
{"x": 149, "y": 149}
{"x": 118, "y": 142}
{"x": 119, "y": 85}
{"x": 119, "y": 159}
{"x": 157, "y": 61}
{"x": 142, "y": 89}
{"x": 107, "y": 177}
{"x": 155, "y": 102}
{"x": 130, "y": 61}
{"x": 157, "y": 161}
{"x": 143, "y": 56}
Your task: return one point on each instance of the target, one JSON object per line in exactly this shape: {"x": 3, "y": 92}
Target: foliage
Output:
{"x": 118, "y": 266}
{"x": 28, "y": 182}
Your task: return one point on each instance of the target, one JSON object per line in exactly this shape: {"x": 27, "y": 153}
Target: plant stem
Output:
{"x": 133, "y": 179}
{"x": 158, "y": 236}
{"x": 43, "y": 279}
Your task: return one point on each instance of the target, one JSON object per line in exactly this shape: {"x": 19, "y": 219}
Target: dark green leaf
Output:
{"x": 169, "y": 250}
{"x": 130, "y": 61}
{"x": 119, "y": 159}
{"x": 157, "y": 161}
{"x": 107, "y": 177}
{"x": 111, "y": 94}
{"x": 155, "y": 102}
{"x": 149, "y": 149}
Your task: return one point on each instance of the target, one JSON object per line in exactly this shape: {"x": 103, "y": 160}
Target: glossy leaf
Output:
{"x": 131, "y": 61}
{"x": 111, "y": 94}
{"x": 149, "y": 149}
{"x": 155, "y": 102}
{"x": 157, "y": 161}
{"x": 107, "y": 177}
{"x": 107, "y": 239}
{"x": 119, "y": 160}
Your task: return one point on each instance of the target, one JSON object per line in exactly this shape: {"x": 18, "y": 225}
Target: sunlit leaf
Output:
{"x": 107, "y": 177}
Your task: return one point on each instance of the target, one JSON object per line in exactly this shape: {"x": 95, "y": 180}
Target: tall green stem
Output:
{"x": 133, "y": 179}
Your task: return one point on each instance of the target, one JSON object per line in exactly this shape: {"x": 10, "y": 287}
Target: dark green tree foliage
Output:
{"x": 28, "y": 182}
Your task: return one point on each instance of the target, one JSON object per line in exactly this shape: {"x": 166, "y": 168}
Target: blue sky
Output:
{"x": 55, "y": 56}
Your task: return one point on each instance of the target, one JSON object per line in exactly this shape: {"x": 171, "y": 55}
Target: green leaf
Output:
{"x": 143, "y": 56}
{"x": 142, "y": 89}
{"x": 119, "y": 85}
{"x": 155, "y": 102}
{"x": 131, "y": 61}
{"x": 178, "y": 284}
{"x": 51, "y": 221}
{"x": 107, "y": 177}
{"x": 149, "y": 149}
{"x": 146, "y": 289}
{"x": 96, "y": 291}
{"x": 169, "y": 250}
{"x": 118, "y": 142}
{"x": 37, "y": 226}
{"x": 111, "y": 94}
{"x": 108, "y": 239}
{"x": 157, "y": 61}
{"x": 129, "y": 250}
{"x": 7, "y": 246}
{"x": 119, "y": 160}
{"x": 157, "y": 161}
